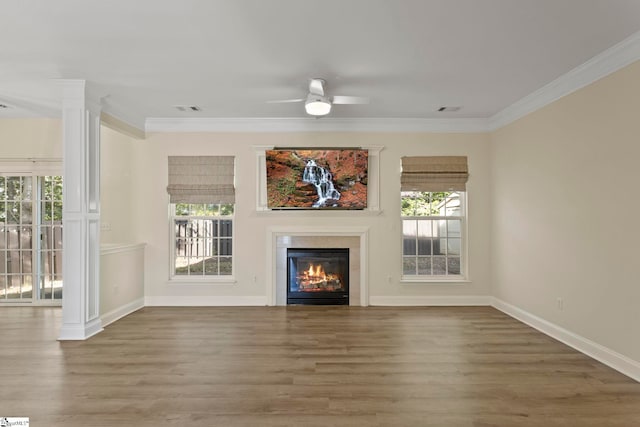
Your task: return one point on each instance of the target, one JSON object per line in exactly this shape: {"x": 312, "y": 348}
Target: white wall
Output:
{"x": 565, "y": 212}
{"x": 151, "y": 209}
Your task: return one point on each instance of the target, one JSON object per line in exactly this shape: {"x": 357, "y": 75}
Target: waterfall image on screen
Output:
{"x": 317, "y": 179}
{"x": 322, "y": 179}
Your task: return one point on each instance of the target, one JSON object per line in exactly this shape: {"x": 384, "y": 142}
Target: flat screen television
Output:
{"x": 317, "y": 179}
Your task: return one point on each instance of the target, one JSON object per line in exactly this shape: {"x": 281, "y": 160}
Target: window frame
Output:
{"x": 200, "y": 278}
{"x": 463, "y": 277}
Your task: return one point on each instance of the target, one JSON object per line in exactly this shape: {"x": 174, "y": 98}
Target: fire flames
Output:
{"x": 315, "y": 278}
{"x": 316, "y": 273}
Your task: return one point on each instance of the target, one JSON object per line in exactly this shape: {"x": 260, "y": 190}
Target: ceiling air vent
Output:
{"x": 187, "y": 108}
{"x": 449, "y": 109}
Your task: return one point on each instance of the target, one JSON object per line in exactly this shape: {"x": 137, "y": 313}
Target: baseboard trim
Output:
{"x": 617, "y": 361}
{"x": 468, "y": 300}
{"x": 120, "y": 312}
{"x": 77, "y": 332}
{"x": 205, "y": 301}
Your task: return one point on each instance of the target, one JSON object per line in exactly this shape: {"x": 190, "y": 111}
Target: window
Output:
{"x": 433, "y": 197}
{"x": 202, "y": 198}
{"x": 203, "y": 236}
{"x": 432, "y": 234}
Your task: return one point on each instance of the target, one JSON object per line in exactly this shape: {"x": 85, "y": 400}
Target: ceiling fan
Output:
{"x": 317, "y": 103}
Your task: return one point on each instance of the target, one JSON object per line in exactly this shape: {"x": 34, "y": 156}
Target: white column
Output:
{"x": 81, "y": 213}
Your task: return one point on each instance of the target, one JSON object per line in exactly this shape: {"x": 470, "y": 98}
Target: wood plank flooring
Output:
{"x": 305, "y": 366}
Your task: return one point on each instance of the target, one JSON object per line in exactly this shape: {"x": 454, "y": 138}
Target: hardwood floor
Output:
{"x": 305, "y": 366}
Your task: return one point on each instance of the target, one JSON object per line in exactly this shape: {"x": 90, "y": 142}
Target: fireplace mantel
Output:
{"x": 273, "y": 233}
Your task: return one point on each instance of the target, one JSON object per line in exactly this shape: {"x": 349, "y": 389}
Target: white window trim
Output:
{"x": 201, "y": 279}
{"x": 464, "y": 251}
{"x": 433, "y": 280}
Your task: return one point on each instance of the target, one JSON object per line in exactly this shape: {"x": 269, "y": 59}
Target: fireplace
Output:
{"x": 318, "y": 276}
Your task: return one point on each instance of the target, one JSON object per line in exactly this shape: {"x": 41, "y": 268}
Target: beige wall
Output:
{"x": 121, "y": 280}
{"x": 565, "y": 211}
{"x": 30, "y": 138}
{"x": 116, "y": 186}
{"x": 251, "y": 227}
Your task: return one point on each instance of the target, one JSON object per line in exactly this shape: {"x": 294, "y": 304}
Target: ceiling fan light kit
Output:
{"x": 317, "y": 105}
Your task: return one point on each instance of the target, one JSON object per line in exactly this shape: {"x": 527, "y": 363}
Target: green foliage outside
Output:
{"x": 416, "y": 203}
{"x": 16, "y": 199}
{"x": 15, "y": 188}
{"x": 52, "y": 198}
{"x": 189, "y": 209}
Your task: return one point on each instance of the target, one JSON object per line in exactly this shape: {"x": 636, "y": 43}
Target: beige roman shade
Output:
{"x": 434, "y": 173}
{"x": 201, "y": 179}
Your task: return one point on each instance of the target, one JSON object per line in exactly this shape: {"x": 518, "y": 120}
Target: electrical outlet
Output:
{"x": 560, "y": 304}
{"x": 105, "y": 226}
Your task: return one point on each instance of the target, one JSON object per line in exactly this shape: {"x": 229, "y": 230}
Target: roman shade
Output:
{"x": 434, "y": 173}
{"x": 201, "y": 179}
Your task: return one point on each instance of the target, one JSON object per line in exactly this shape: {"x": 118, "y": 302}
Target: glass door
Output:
{"x": 30, "y": 238}
{"x": 16, "y": 238}
{"x": 50, "y": 248}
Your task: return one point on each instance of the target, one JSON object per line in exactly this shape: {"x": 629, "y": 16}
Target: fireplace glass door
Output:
{"x": 318, "y": 276}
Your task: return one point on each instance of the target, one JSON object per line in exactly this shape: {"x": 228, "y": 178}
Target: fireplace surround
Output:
{"x": 280, "y": 238}
{"x": 318, "y": 276}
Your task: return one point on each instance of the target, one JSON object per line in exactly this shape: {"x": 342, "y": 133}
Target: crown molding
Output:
{"x": 123, "y": 118}
{"x": 121, "y": 126}
{"x": 601, "y": 65}
{"x": 326, "y": 124}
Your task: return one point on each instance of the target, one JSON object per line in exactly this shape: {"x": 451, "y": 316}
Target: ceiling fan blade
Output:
{"x": 338, "y": 99}
{"x": 316, "y": 87}
{"x": 285, "y": 101}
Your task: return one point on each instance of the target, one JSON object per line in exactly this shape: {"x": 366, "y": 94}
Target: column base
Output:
{"x": 77, "y": 332}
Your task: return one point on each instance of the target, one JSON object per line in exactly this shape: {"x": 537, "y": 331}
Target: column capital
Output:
{"x": 78, "y": 93}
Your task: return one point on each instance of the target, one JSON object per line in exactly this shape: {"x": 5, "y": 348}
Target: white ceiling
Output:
{"x": 229, "y": 57}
